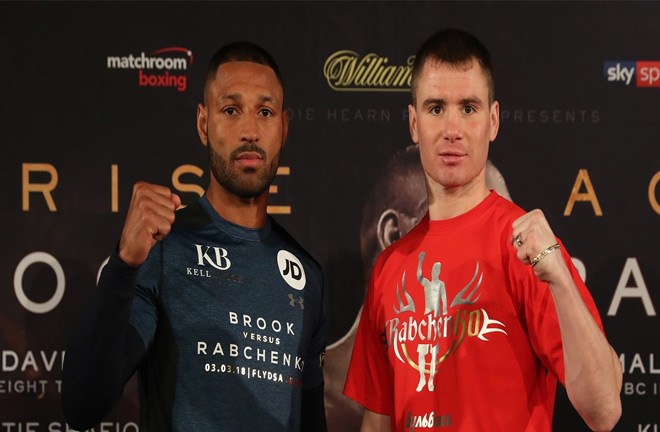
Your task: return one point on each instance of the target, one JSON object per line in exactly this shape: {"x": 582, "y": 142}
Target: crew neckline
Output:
{"x": 235, "y": 230}
{"x": 444, "y": 225}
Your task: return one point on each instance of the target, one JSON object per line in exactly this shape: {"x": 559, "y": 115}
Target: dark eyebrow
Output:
{"x": 441, "y": 102}
{"x": 434, "y": 102}
{"x": 231, "y": 96}
{"x": 238, "y": 96}
{"x": 471, "y": 101}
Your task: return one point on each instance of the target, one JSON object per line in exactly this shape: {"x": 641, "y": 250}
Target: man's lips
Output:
{"x": 249, "y": 160}
{"x": 452, "y": 157}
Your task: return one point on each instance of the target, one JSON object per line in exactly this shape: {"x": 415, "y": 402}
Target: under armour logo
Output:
{"x": 293, "y": 301}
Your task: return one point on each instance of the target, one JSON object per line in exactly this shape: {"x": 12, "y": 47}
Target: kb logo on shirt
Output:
{"x": 217, "y": 259}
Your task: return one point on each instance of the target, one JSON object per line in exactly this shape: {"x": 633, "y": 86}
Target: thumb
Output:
{"x": 176, "y": 200}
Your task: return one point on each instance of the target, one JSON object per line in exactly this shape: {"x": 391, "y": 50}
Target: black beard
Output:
{"x": 251, "y": 183}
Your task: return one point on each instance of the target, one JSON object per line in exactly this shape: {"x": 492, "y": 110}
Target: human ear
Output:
{"x": 285, "y": 125}
{"x": 412, "y": 123}
{"x": 387, "y": 230}
{"x": 494, "y": 120}
{"x": 202, "y": 123}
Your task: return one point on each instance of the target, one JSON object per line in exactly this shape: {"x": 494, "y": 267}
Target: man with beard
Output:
{"x": 219, "y": 310}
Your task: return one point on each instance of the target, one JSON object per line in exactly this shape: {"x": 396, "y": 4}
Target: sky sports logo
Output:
{"x": 642, "y": 73}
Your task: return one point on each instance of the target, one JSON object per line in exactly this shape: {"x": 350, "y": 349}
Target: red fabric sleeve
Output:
{"x": 369, "y": 380}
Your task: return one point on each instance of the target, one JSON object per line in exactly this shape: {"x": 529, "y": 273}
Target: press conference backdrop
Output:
{"x": 96, "y": 96}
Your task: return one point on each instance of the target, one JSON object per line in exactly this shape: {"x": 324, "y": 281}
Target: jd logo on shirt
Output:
{"x": 291, "y": 270}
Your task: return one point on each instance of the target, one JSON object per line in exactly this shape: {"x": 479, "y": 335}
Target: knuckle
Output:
{"x": 165, "y": 229}
{"x": 147, "y": 216}
{"x": 539, "y": 214}
{"x": 138, "y": 186}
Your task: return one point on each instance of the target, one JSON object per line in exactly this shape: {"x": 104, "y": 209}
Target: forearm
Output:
{"x": 374, "y": 422}
{"x": 103, "y": 351}
{"x": 592, "y": 370}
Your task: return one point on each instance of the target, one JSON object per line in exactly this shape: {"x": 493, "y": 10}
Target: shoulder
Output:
{"x": 288, "y": 243}
{"x": 191, "y": 216}
{"x": 504, "y": 212}
{"x": 504, "y": 206}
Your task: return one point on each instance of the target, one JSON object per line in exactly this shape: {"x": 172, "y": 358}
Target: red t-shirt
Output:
{"x": 453, "y": 294}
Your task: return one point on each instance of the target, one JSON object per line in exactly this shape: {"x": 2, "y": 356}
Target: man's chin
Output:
{"x": 249, "y": 190}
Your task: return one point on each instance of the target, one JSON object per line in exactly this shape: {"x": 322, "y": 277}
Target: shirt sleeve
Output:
{"x": 313, "y": 371}
{"x": 103, "y": 350}
{"x": 144, "y": 309}
{"x": 370, "y": 381}
{"x": 541, "y": 316}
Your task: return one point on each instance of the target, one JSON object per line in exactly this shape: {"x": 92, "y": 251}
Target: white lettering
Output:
{"x": 49, "y": 305}
{"x": 640, "y": 291}
{"x": 201, "y": 348}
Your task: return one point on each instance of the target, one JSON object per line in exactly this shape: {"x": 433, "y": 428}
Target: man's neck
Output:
{"x": 246, "y": 212}
{"x": 446, "y": 203}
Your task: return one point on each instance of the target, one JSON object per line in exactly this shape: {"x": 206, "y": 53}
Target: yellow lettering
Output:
{"x": 346, "y": 71}
{"x": 576, "y": 195}
{"x": 652, "y": 187}
{"x": 187, "y": 187}
{"x": 114, "y": 193}
{"x": 474, "y": 324}
{"x": 278, "y": 209}
{"x": 281, "y": 171}
{"x": 44, "y": 188}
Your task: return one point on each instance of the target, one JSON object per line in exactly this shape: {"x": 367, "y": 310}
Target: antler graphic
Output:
{"x": 459, "y": 300}
{"x": 485, "y": 329}
{"x": 411, "y": 304}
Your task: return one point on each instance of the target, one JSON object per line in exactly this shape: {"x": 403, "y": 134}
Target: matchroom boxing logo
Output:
{"x": 165, "y": 67}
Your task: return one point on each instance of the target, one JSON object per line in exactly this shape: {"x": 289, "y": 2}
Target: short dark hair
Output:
{"x": 456, "y": 48}
{"x": 399, "y": 185}
{"x": 240, "y": 51}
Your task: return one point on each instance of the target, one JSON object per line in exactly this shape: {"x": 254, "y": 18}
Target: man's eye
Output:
{"x": 436, "y": 110}
{"x": 230, "y": 111}
{"x": 469, "y": 109}
{"x": 266, "y": 112}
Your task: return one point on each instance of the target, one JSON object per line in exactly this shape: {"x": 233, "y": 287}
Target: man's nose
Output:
{"x": 249, "y": 128}
{"x": 452, "y": 130}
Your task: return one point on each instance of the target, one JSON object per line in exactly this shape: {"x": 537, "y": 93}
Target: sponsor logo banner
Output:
{"x": 164, "y": 67}
{"x": 639, "y": 73}
{"x": 347, "y": 70}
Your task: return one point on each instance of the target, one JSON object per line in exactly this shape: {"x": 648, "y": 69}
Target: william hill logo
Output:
{"x": 348, "y": 71}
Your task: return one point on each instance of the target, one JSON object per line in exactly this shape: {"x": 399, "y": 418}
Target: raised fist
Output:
{"x": 536, "y": 245}
{"x": 149, "y": 219}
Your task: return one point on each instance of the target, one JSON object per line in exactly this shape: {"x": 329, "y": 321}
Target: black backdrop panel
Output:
{"x": 577, "y": 83}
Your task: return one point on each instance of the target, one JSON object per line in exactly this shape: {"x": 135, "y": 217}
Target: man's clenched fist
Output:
{"x": 149, "y": 219}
